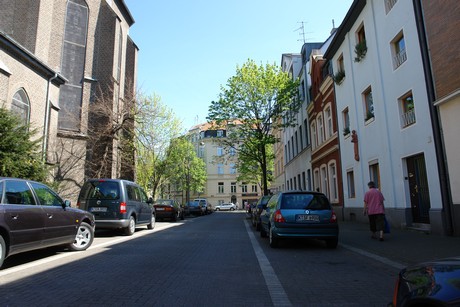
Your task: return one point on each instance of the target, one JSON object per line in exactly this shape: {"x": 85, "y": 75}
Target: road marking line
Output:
{"x": 277, "y": 293}
{"x": 384, "y": 260}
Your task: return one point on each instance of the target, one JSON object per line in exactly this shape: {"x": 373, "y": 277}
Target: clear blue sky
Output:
{"x": 188, "y": 49}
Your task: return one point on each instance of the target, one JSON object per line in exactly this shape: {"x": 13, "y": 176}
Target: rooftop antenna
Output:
{"x": 302, "y": 32}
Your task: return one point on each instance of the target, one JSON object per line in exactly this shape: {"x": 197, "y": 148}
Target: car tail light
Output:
{"x": 123, "y": 207}
{"x": 78, "y": 205}
{"x": 279, "y": 217}
{"x": 333, "y": 217}
{"x": 169, "y": 209}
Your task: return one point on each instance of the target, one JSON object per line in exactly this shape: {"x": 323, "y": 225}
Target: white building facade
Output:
{"x": 382, "y": 101}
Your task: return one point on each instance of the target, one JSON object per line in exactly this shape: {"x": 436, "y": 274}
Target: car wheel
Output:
{"x": 182, "y": 216}
{"x": 152, "y": 222}
{"x": 257, "y": 226}
{"x": 84, "y": 237}
{"x": 272, "y": 239}
{"x": 2, "y": 250}
{"x": 263, "y": 233}
{"x": 332, "y": 243}
{"x": 232, "y": 209}
{"x": 129, "y": 231}
{"x": 175, "y": 217}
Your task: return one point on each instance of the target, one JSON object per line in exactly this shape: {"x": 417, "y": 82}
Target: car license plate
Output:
{"x": 98, "y": 209}
{"x": 159, "y": 209}
{"x": 307, "y": 218}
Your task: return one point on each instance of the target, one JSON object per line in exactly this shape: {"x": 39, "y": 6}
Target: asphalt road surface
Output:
{"x": 214, "y": 260}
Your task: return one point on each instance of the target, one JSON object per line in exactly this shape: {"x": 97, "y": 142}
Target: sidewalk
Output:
{"x": 401, "y": 247}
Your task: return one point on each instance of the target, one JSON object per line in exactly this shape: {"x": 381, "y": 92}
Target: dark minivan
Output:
{"x": 117, "y": 204}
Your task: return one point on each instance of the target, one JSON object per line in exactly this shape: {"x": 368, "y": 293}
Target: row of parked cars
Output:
{"x": 295, "y": 215}
{"x": 33, "y": 216}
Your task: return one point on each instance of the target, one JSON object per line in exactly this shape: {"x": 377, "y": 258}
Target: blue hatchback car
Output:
{"x": 299, "y": 214}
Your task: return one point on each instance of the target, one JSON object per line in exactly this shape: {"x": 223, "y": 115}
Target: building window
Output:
{"x": 301, "y": 137}
{"x": 297, "y": 150}
{"x": 73, "y": 64}
{"x": 20, "y": 106}
{"x": 220, "y": 187}
{"x": 333, "y": 182}
{"x": 329, "y": 124}
{"x": 323, "y": 184}
{"x": 351, "y": 184}
{"x": 233, "y": 187}
{"x": 398, "y": 50}
{"x": 389, "y": 5}
{"x": 374, "y": 173}
{"x": 305, "y": 124}
{"x": 340, "y": 74}
{"x": 220, "y": 133}
{"x": 244, "y": 188}
{"x": 368, "y": 104}
{"x": 220, "y": 151}
{"x": 232, "y": 151}
{"x": 320, "y": 130}
{"x": 314, "y": 139}
{"x": 407, "y": 109}
{"x": 220, "y": 169}
{"x": 232, "y": 168}
{"x": 346, "y": 122}
{"x": 361, "y": 45}
{"x": 254, "y": 188}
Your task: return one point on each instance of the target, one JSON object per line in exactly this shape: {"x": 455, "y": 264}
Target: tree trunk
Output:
{"x": 264, "y": 170}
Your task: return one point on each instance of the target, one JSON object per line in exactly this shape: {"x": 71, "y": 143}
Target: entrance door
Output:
{"x": 418, "y": 188}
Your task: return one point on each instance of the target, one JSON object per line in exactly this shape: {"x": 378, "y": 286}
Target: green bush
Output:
{"x": 20, "y": 154}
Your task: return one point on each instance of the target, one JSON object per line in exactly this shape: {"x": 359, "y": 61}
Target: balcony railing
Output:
{"x": 408, "y": 118}
{"x": 399, "y": 58}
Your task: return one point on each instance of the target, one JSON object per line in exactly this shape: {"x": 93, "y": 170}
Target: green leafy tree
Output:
{"x": 20, "y": 154}
{"x": 156, "y": 126}
{"x": 184, "y": 168}
{"x": 255, "y": 102}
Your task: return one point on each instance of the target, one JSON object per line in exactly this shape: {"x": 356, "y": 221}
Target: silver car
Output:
{"x": 226, "y": 206}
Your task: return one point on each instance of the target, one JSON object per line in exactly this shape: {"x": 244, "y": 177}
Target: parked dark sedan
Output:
{"x": 299, "y": 214}
{"x": 194, "y": 208}
{"x": 33, "y": 216}
{"x": 169, "y": 209}
{"x": 258, "y": 208}
{"x": 434, "y": 283}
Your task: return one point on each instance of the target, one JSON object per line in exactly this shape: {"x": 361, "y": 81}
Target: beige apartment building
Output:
{"x": 222, "y": 185}
{"x": 57, "y": 60}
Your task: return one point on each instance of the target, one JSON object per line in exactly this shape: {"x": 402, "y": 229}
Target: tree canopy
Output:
{"x": 257, "y": 100}
{"x": 156, "y": 127}
{"x": 184, "y": 168}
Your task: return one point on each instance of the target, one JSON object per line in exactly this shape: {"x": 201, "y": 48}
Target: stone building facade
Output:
{"x": 61, "y": 60}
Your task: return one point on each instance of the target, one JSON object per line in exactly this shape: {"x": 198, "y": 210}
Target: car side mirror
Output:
{"x": 66, "y": 204}
{"x": 150, "y": 200}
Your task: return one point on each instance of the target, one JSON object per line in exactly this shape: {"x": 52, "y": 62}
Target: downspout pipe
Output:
{"x": 47, "y": 118}
{"x": 442, "y": 168}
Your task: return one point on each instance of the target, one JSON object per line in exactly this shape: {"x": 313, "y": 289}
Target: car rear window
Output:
{"x": 305, "y": 201}
{"x": 164, "y": 202}
{"x": 103, "y": 190}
